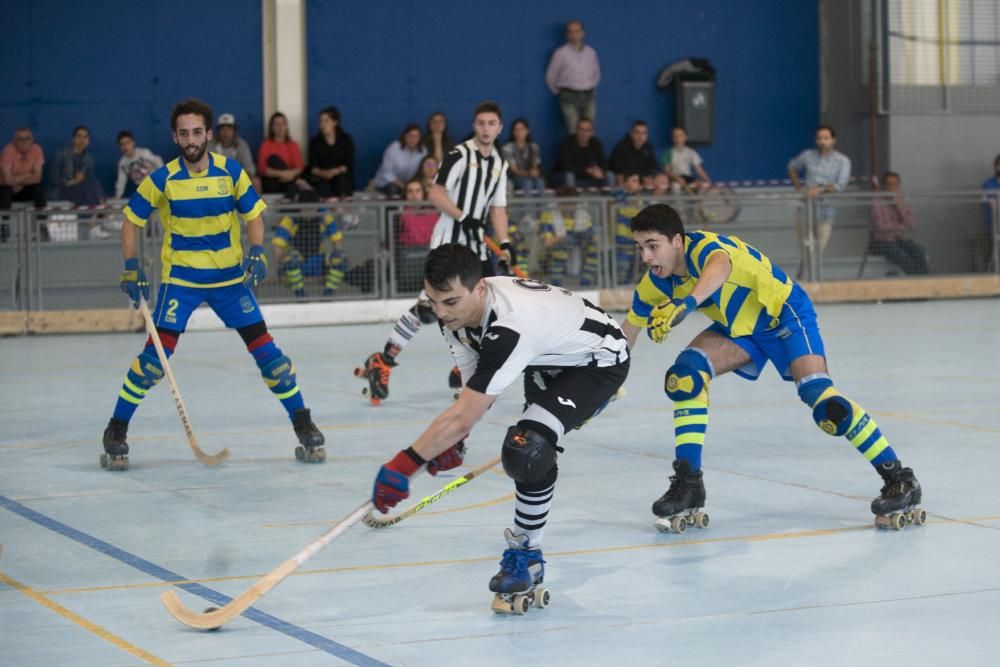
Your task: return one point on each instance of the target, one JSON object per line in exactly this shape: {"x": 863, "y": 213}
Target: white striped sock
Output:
{"x": 531, "y": 510}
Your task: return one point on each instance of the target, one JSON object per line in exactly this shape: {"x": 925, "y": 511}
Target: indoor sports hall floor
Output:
{"x": 791, "y": 570}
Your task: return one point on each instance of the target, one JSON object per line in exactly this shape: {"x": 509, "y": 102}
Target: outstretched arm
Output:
{"x": 453, "y": 424}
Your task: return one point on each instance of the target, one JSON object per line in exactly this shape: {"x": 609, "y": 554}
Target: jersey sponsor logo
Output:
{"x": 566, "y": 401}
{"x": 223, "y": 187}
{"x": 533, "y": 285}
{"x": 492, "y": 336}
{"x": 201, "y": 188}
{"x": 246, "y": 304}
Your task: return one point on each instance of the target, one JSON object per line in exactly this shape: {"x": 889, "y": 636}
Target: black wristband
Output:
{"x": 416, "y": 458}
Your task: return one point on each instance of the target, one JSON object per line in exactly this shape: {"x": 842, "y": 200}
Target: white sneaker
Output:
{"x": 98, "y": 233}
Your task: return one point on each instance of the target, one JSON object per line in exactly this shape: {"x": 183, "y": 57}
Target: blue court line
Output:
{"x": 154, "y": 570}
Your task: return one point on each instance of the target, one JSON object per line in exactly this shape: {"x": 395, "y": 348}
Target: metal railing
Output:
{"x": 63, "y": 259}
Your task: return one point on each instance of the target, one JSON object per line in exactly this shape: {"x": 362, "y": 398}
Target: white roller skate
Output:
{"x": 517, "y": 586}
{"x": 681, "y": 506}
{"x": 896, "y": 506}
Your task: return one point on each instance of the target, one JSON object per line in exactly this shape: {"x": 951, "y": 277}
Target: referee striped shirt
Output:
{"x": 475, "y": 184}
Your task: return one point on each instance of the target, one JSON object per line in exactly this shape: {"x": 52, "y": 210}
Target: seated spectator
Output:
{"x": 524, "y": 158}
{"x": 892, "y": 226}
{"x": 580, "y": 162}
{"x": 21, "y": 170}
{"x": 400, "y": 162}
{"x": 72, "y": 175}
{"x": 570, "y": 241}
{"x": 298, "y": 247}
{"x": 279, "y": 160}
{"x": 634, "y": 154}
{"x": 683, "y": 164}
{"x": 429, "y": 168}
{"x": 134, "y": 165}
{"x": 412, "y": 237}
{"x": 331, "y": 157}
{"x": 437, "y": 140}
{"x": 228, "y": 142}
{"x": 626, "y": 207}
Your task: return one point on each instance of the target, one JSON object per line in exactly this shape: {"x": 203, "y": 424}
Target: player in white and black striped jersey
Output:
{"x": 471, "y": 185}
{"x": 573, "y": 358}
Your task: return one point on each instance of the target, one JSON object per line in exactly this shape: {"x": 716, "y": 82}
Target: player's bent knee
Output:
{"x": 527, "y": 455}
{"x": 279, "y": 375}
{"x": 832, "y": 412}
{"x": 688, "y": 378}
{"x": 146, "y": 371}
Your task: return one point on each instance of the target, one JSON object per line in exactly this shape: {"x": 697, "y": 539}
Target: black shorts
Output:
{"x": 563, "y": 399}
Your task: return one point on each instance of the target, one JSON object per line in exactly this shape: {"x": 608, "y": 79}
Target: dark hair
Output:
{"x": 406, "y": 130}
{"x": 629, "y": 174}
{"x": 487, "y": 106}
{"x": 660, "y": 218}
{"x": 123, "y": 134}
{"x": 438, "y": 113}
{"x": 270, "y": 125}
{"x": 191, "y": 105}
{"x": 638, "y": 123}
{"x": 893, "y": 174}
{"x": 449, "y": 261}
{"x": 78, "y": 128}
{"x": 521, "y": 121}
{"x": 334, "y": 114}
{"x": 829, "y": 129}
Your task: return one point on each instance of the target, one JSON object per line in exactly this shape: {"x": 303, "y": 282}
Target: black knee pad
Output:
{"x": 527, "y": 455}
{"x": 424, "y": 311}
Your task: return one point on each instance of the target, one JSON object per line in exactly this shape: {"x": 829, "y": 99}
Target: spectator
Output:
{"x": 73, "y": 177}
{"x": 279, "y": 161}
{"x": 437, "y": 140}
{"x": 826, "y": 171}
{"x": 331, "y": 157}
{"x": 227, "y": 141}
{"x": 634, "y": 155}
{"x": 21, "y": 170}
{"x": 298, "y": 250}
{"x": 524, "y": 158}
{"x": 134, "y": 165}
{"x": 892, "y": 225}
{"x": 682, "y": 164}
{"x": 625, "y": 208}
{"x": 573, "y": 74}
{"x": 413, "y": 234}
{"x": 429, "y": 168}
{"x": 580, "y": 162}
{"x": 400, "y": 162}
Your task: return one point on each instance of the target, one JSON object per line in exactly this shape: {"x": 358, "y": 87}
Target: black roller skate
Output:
{"x": 517, "y": 585}
{"x": 115, "y": 456}
{"x": 681, "y": 505}
{"x": 376, "y": 370}
{"x": 311, "y": 448}
{"x": 896, "y": 506}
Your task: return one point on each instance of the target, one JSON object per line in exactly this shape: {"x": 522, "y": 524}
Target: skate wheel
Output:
{"x": 375, "y": 402}
{"x": 500, "y": 606}
{"x": 919, "y": 517}
{"x": 897, "y": 521}
{"x": 542, "y": 598}
{"x": 678, "y": 524}
{"x": 300, "y": 453}
{"x": 364, "y": 391}
{"x": 662, "y": 525}
{"x": 319, "y": 456}
{"x": 104, "y": 461}
{"x": 701, "y": 520}
{"x": 521, "y": 604}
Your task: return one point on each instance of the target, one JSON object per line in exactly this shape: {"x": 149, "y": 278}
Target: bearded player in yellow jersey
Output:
{"x": 759, "y": 314}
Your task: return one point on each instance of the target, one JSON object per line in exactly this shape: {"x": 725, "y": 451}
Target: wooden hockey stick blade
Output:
{"x": 373, "y": 521}
{"x": 199, "y": 453}
{"x": 495, "y": 249}
{"x": 216, "y": 619}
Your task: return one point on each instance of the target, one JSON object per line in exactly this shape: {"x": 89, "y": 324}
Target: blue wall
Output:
{"x": 385, "y": 64}
{"x": 118, "y": 64}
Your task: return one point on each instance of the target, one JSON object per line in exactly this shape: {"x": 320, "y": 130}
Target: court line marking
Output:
{"x": 284, "y": 627}
{"x": 104, "y": 634}
{"x": 764, "y": 537}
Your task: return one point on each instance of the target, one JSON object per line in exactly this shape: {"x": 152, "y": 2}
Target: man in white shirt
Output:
{"x": 134, "y": 165}
{"x": 573, "y": 74}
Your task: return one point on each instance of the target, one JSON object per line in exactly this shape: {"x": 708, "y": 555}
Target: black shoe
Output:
{"x": 309, "y": 436}
{"x": 900, "y": 491}
{"x": 687, "y": 491}
{"x": 115, "y": 437}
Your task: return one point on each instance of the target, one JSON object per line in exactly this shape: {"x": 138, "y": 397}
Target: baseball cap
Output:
{"x": 227, "y": 119}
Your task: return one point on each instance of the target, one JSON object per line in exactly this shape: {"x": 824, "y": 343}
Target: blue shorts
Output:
{"x": 235, "y": 305}
{"x": 796, "y": 335}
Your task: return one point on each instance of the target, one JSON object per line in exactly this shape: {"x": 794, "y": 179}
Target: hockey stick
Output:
{"x": 496, "y": 250}
{"x": 373, "y": 521}
{"x": 211, "y": 620}
{"x": 207, "y": 459}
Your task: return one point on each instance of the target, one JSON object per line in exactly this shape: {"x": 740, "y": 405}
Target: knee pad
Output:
{"x": 688, "y": 378}
{"x": 424, "y": 311}
{"x": 832, "y": 412}
{"x": 527, "y": 455}
{"x": 145, "y": 371}
{"x": 279, "y": 375}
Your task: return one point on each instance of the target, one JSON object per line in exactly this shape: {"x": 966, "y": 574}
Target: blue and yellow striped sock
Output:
{"x": 144, "y": 374}
{"x": 836, "y": 414}
{"x": 278, "y": 372}
{"x": 690, "y": 425}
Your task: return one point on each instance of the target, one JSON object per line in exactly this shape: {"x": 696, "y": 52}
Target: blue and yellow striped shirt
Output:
{"x": 201, "y": 241}
{"x": 749, "y": 301}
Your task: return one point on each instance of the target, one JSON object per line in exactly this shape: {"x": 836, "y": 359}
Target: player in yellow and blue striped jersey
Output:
{"x": 759, "y": 314}
{"x": 298, "y": 247}
{"x": 200, "y": 198}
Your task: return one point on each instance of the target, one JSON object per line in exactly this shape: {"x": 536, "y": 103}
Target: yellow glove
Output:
{"x": 667, "y": 315}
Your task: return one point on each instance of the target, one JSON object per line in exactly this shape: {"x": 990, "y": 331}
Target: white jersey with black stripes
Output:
{"x": 474, "y": 184}
{"x": 528, "y": 326}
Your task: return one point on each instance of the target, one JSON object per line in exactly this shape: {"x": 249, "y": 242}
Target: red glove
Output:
{"x": 392, "y": 483}
{"x": 448, "y": 459}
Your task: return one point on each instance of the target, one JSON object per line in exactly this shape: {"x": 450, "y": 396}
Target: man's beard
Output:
{"x": 198, "y": 155}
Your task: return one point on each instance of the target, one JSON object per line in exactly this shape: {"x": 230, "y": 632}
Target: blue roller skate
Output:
{"x": 517, "y": 584}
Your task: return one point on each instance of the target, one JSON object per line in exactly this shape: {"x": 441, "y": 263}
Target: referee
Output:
{"x": 471, "y": 184}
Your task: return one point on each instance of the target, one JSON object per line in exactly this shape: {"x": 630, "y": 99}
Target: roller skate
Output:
{"x": 896, "y": 506}
{"x": 516, "y": 586}
{"x": 376, "y": 370}
{"x": 115, "y": 456}
{"x": 681, "y": 505}
{"x": 311, "y": 448}
{"x": 455, "y": 382}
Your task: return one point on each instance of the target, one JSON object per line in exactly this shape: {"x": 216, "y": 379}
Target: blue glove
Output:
{"x": 254, "y": 266}
{"x": 134, "y": 282}
{"x": 392, "y": 483}
{"x": 668, "y": 315}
